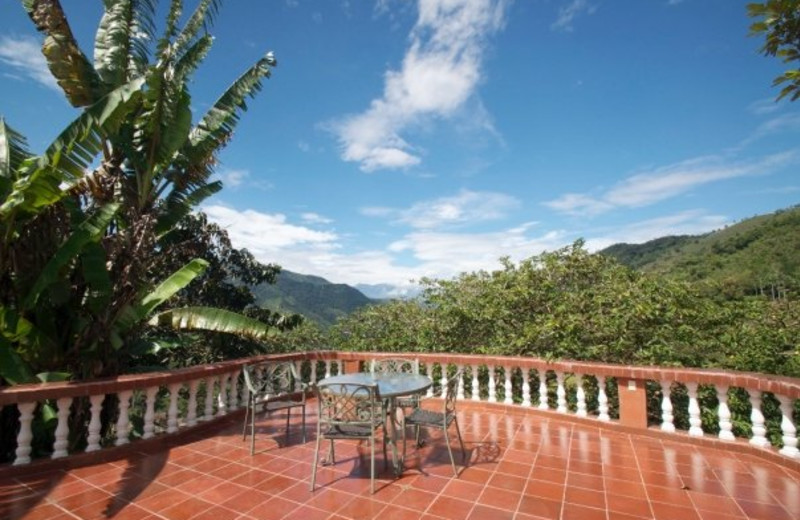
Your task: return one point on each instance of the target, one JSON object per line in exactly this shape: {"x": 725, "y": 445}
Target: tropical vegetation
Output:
{"x": 97, "y": 231}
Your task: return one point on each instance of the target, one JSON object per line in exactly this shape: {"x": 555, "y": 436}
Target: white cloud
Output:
{"x": 264, "y": 233}
{"x": 669, "y": 181}
{"x": 568, "y": 13}
{"x": 466, "y": 207}
{"x": 444, "y": 255}
{"x": 439, "y": 73}
{"x": 691, "y": 222}
{"x": 24, "y": 54}
{"x": 233, "y": 177}
{"x": 763, "y": 106}
{"x": 315, "y": 218}
{"x": 776, "y": 125}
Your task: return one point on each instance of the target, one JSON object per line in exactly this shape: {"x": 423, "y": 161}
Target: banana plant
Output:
{"x": 110, "y": 190}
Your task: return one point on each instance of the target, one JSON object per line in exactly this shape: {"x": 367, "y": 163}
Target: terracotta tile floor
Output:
{"x": 521, "y": 466}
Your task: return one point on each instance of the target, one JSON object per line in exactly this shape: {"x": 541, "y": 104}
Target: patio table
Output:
{"x": 390, "y": 387}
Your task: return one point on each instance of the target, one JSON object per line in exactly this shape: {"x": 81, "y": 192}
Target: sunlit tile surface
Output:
{"x": 521, "y": 466}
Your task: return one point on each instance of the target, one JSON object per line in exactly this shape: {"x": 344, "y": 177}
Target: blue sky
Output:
{"x": 399, "y": 139}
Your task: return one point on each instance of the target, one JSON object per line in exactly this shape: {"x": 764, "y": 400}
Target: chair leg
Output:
{"x": 288, "y": 416}
{"x": 316, "y": 461}
{"x": 332, "y": 454}
{"x": 304, "y": 423}
{"x": 450, "y": 450}
{"x": 244, "y": 426}
{"x": 461, "y": 442}
{"x": 372, "y": 463}
{"x": 253, "y": 431}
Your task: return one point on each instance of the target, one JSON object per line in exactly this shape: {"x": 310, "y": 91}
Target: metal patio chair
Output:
{"x": 272, "y": 387}
{"x": 422, "y": 418}
{"x": 398, "y": 366}
{"x": 348, "y": 412}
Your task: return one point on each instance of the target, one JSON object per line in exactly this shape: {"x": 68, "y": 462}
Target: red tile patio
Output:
{"x": 521, "y": 466}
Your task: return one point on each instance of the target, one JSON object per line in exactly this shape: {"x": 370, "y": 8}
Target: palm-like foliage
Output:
{"x": 86, "y": 217}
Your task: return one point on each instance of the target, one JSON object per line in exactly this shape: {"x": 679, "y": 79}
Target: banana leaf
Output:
{"x": 212, "y": 319}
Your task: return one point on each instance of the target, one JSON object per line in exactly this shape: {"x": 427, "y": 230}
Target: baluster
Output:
{"x": 191, "y": 413}
{"x": 543, "y": 404}
{"x": 526, "y": 387}
{"x": 340, "y": 367}
{"x": 580, "y": 396}
{"x": 327, "y": 368}
{"x": 172, "y": 411}
{"x": 507, "y": 388}
{"x": 222, "y": 406}
{"x": 667, "y": 418}
{"x": 123, "y": 421}
{"x": 443, "y": 381}
{"x": 298, "y": 383}
{"x": 476, "y": 384}
{"x": 233, "y": 395}
{"x": 725, "y": 425}
{"x": 313, "y": 379}
{"x": 209, "y": 402}
{"x": 93, "y": 439}
{"x": 788, "y": 428}
{"x": 492, "y": 384}
{"x": 460, "y": 391}
{"x": 22, "y": 455}
{"x": 602, "y": 400}
{"x": 757, "y": 419}
{"x": 429, "y": 373}
{"x": 62, "y": 428}
{"x": 695, "y": 422}
{"x": 150, "y": 412}
{"x": 561, "y": 394}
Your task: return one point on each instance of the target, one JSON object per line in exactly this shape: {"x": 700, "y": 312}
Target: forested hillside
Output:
{"x": 758, "y": 256}
{"x": 313, "y": 297}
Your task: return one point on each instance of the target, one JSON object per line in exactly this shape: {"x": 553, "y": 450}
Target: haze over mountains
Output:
{"x": 759, "y": 255}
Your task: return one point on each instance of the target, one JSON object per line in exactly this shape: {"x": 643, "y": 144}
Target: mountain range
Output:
{"x": 759, "y": 255}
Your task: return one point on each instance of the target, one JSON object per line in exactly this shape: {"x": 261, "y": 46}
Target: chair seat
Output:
{"x": 347, "y": 431}
{"x": 423, "y": 417}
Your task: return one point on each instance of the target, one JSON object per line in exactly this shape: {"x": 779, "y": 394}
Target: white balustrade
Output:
{"x": 93, "y": 440}
{"x": 476, "y": 389}
{"x": 725, "y": 424}
{"x": 222, "y": 405}
{"x": 602, "y": 400}
{"x": 298, "y": 383}
{"x": 429, "y": 373}
{"x": 460, "y": 390}
{"x": 233, "y": 395}
{"x": 788, "y": 428}
{"x": 208, "y": 411}
{"x": 191, "y": 413}
{"x": 327, "y": 368}
{"x": 443, "y": 381}
{"x": 695, "y": 423}
{"x": 759, "y": 425}
{"x": 22, "y": 455}
{"x": 580, "y": 395}
{"x": 313, "y": 377}
{"x": 62, "y": 428}
{"x": 561, "y": 394}
{"x": 172, "y": 411}
{"x": 492, "y": 385}
{"x": 150, "y": 412}
{"x": 543, "y": 404}
{"x": 667, "y": 419}
{"x": 526, "y": 387}
{"x": 123, "y": 421}
{"x": 507, "y": 388}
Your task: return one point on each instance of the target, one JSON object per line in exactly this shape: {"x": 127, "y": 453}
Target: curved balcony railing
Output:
{"x": 614, "y": 396}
